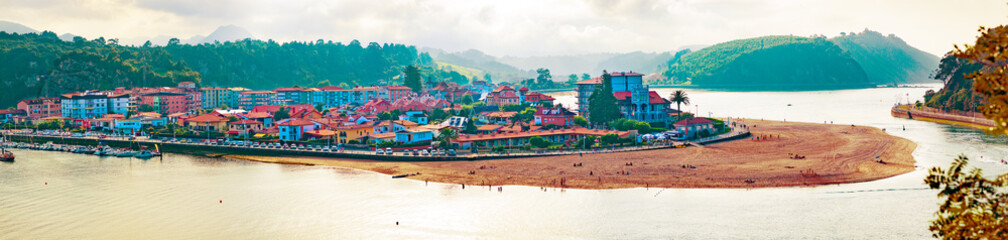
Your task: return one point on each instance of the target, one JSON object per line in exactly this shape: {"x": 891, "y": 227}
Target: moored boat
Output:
{"x": 125, "y": 153}
{"x": 6, "y": 156}
{"x": 145, "y": 154}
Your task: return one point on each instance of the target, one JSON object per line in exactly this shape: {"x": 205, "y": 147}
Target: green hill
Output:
{"x": 770, "y": 62}
{"x": 957, "y": 94}
{"x": 37, "y": 65}
{"x": 888, "y": 59}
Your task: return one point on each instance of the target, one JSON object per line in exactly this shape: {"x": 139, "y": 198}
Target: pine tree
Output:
{"x": 603, "y": 107}
{"x": 413, "y": 79}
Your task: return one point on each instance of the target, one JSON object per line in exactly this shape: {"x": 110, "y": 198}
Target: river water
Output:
{"x": 50, "y": 195}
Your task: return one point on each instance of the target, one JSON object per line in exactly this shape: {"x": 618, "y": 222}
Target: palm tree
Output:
{"x": 680, "y": 98}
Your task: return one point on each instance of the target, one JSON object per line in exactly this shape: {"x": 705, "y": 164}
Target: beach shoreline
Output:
{"x": 787, "y": 154}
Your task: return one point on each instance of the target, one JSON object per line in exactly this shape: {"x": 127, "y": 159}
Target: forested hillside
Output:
{"x": 957, "y": 94}
{"x": 888, "y": 59}
{"x": 771, "y": 62}
{"x": 33, "y": 65}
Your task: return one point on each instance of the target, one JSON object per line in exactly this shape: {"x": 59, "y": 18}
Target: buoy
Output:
{"x": 397, "y": 223}
{"x": 46, "y": 183}
{"x": 221, "y": 201}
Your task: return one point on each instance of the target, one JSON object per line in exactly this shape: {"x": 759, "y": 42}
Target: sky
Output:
{"x": 516, "y": 27}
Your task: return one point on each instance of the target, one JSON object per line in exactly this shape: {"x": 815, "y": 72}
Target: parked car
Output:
{"x": 389, "y": 151}
{"x": 379, "y": 151}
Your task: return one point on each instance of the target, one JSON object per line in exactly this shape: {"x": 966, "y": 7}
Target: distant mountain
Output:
{"x": 560, "y": 65}
{"x": 227, "y": 33}
{"x": 13, "y": 27}
{"x": 67, "y": 37}
{"x": 771, "y": 63}
{"x": 635, "y": 61}
{"x": 888, "y": 59}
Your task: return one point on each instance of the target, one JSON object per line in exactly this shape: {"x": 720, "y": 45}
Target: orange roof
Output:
{"x": 386, "y": 135}
{"x": 407, "y": 123}
{"x": 297, "y": 122}
{"x": 322, "y": 133}
{"x": 207, "y": 118}
{"x": 576, "y": 130}
{"x": 488, "y": 127}
{"x": 502, "y": 114}
{"x": 595, "y": 80}
{"x": 288, "y": 89}
{"x": 253, "y": 115}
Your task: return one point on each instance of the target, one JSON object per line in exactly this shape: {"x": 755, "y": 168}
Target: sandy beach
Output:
{"x": 829, "y": 153}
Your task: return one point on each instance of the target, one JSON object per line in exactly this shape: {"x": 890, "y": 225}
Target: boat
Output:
{"x": 125, "y": 153}
{"x": 6, "y": 156}
{"x": 145, "y": 154}
{"x": 400, "y": 175}
{"x": 103, "y": 151}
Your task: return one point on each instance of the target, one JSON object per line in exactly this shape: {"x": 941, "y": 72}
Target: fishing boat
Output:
{"x": 6, "y": 156}
{"x": 145, "y": 154}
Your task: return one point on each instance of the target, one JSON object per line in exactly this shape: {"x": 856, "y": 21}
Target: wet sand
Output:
{"x": 832, "y": 154}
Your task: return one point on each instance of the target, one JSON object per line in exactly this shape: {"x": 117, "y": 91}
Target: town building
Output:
{"x": 40, "y": 107}
{"x": 569, "y": 135}
{"x": 503, "y": 95}
{"x": 8, "y": 116}
{"x": 210, "y": 122}
{"x": 635, "y": 100}
{"x": 93, "y": 104}
{"x": 349, "y": 132}
{"x": 554, "y": 116}
{"x": 293, "y": 129}
{"x": 167, "y": 102}
{"x": 244, "y": 127}
{"x": 694, "y": 127}
{"x": 250, "y": 99}
{"x": 291, "y": 95}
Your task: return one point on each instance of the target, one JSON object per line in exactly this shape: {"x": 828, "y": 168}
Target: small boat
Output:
{"x": 125, "y": 153}
{"x": 103, "y": 151}
{"x": 6, "y": 156}
{"x": 400, "y": 175}
{"x": 145, "y": 154}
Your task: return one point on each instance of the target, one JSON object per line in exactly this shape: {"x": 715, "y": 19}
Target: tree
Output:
{"x": 544, "y": 80}
{"x": 602, "y": 107}
{"x": 573, "y": 78}
{"x": 679, "y": 97}
{"x": 539, "y": 142}
{"x": 580, "y": 121}
{"x": 524, "y": 116}
{"x": 487, "y": 78}
{"x": 470, "y": 127}
{"x": 974, "y": 207}
{"x": 467, "y": 99}
{"x": 991, "y": 51}
{"x": 585, "y": 76}
{"x": 413, "y": 79}
{"x": 173, "y": 42}
{"x": 446, "y": 135}
{"x": 281, "y": 114}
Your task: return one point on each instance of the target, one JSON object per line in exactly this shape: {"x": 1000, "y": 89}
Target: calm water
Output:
{"x": 179, "y": 197}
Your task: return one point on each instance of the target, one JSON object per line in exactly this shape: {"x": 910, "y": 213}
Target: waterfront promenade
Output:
{"x": 214, "y": 148}
{"x": 972, "y": 120}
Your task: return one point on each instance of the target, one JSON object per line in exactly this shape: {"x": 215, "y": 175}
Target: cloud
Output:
{"x": 521, "y": 27}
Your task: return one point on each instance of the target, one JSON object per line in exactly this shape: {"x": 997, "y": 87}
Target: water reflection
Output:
{"x": 184, "y": 196}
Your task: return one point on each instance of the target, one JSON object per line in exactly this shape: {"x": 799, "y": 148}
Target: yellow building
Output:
{"x": 349, "y": 132}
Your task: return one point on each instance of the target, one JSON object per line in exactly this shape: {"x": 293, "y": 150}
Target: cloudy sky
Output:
{"x": 518, "y": 27}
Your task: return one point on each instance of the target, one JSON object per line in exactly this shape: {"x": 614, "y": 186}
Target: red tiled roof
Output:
{"x": 595, "y": 80}
{"x": 266, "y": 108}
{"x": 503, "y": 88}
{"x": 622, "y": 95}
{"x": 693, "y": 121}
{"x": 297, "y": 122}
{"x": 256, "y": 92}
{"x": 254, "y": 115}
{"x": 523, "y": 89}
{"x": 654, "y": 98}
{"x": 576, "y": 130}
{"x": 288, "y": 89}
{"x": 331, "y": 88}
{"x": 397, "y": 87}
{"x": 207, "y": 118}
{"x": 554, "y": 112}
